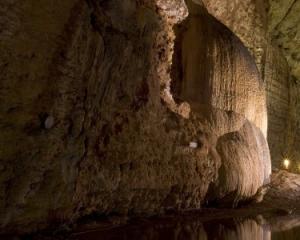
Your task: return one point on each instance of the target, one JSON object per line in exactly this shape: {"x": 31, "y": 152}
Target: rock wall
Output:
{"x": 212, "y": 69}
{"x": 268, "y": 29}
{"x": 279, "y": 97}
{"x": 88, "y": 123}
{"x": 285, "y": 31}
{"x": 217, "y": 69}
{"x": 248, "y": 19}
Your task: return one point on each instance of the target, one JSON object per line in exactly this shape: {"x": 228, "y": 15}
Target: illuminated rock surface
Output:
{"x": 277, "y": 217}
{"x": 270, "y": 30}
{"x": 97, "y": 112}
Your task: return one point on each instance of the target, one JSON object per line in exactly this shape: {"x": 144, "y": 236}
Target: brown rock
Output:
{"x": 88, "y": 122}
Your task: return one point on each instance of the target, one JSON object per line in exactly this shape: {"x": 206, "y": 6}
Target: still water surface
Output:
{"x": 193, "y": 229}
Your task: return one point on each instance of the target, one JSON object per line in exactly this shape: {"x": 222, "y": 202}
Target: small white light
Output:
{"x": 286, "y": 163}
{"x": 193, "y": 144}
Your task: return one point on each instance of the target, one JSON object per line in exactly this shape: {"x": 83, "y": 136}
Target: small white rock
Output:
{"x": 193, "y": 144}
{"x": 49, "y": 122}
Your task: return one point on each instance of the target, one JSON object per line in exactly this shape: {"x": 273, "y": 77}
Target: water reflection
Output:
{"x": 235, "y": 230}
{"x": 275, "y": 228}
{"x": 231, "y": 229}
{"x": 291, "y": 234}
{"x": 286, "y": 228}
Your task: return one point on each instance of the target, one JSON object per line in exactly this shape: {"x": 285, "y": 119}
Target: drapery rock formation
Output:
{"x": 270, "y": 30}
{"x": 89, "y": 124}
{"x": 219, "y": 72}
{"x": 214, "y": 70}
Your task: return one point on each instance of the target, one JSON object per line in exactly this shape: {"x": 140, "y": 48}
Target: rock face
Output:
{"x": 248, "y": 19}
{"x": 285, "y": 31}
{"x": 88, "y": 123}
{"x": 270, "y": 30}
{"x": 279, "y": 99}
{"x": 284, "y": 27}
{"x": 219, "y": 72}
{"x": 214, "y": 71}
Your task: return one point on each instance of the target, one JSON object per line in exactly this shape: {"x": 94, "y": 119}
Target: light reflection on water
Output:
{"x": 229, "y": 229}
{"x": 292, "y": 234}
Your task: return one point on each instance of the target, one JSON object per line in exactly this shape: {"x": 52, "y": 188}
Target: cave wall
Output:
{"x": 284, "y": 29}
{"x": 279, "y": 95}
{"x": 88, "y": 123}
{"x": 219, "y": 72}
{"x": 248, "y": 19}
{"x": 213, "y": 70}
{"x": 81, "y": 117}
{"x": 254, "y": 22}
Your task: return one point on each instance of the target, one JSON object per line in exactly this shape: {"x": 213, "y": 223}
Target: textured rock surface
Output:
{"x": 219, "y": 72}
{"x": 243, "y": 152}
{"x": 83, "y": 125}
{"x": 285, "y": 186}
{"x": 284, "y": 28}
{"x": 279, "y": 95}
{"x": 247, "y": 19}
{"x": 270, "y": 30}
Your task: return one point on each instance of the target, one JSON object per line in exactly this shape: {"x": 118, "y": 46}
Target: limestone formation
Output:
{"x": 100, "y": 100}
{"x": 217, "y": 70}
{"x": 213, "y": 70}
{"x": 284, "y": 28}
{"x": 270, "y": 30}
